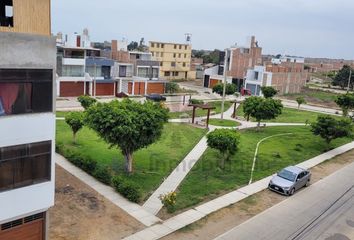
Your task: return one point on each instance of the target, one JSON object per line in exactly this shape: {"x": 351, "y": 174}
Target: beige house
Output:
{"x": 174, "y": 58}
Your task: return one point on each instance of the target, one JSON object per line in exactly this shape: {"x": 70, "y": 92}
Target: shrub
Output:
{"x": 103, "y": 174}
{"x": 229, "y": 90}
{"x": 128, "y": 189}
{"x": 86, "y": 101}
{"x": 169, "y": 201}
{"x": 85, "y": 163}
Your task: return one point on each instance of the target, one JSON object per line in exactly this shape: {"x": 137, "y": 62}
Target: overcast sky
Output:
{"x": 309, "y": 28}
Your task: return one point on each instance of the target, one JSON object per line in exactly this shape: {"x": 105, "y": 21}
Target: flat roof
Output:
{"x": 184, "y": 44}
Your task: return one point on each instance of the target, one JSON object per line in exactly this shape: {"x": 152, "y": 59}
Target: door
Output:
{"x": 206, "y": 81}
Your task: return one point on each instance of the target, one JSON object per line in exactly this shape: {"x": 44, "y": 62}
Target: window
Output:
{"x": 161, "y": 64}
{"x": 173, "y": 64}
{"x": 185, "y": 47}
{"x": 179, "y": 55}
{"x": 152, "y": 53}
{"x": 167, "y": 74}
{"x": 175, "y": 74}
{"x": 256, "y": 75}
{"x": 155, "y": 72}
{"x": 25, "y": 165}
{"x": 6, "y": 13}
{"x": 162, "y": 45}
{"x": 174, "y": 55}
{"x": 77, "y": 71}
{"x": 185, "y": 55}
{"x": 143, "y": 72}
{"x": 152, "y": 44}
{"x": 157, "y": 45}
{"x": 175, "y": 47}
{"x": 122, "y": 71}
{"x": 184, "y": 64}
{"x": 25, "y": 91}
{"x": 180, "y": 46}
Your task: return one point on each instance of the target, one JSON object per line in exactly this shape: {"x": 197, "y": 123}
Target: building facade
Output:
{"x": 27, "y": 121}
{"x": 174, "y": 58}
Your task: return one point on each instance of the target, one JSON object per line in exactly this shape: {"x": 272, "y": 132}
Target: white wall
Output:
{"x": 23, "y": 129}
{"x": 74, "y": 61}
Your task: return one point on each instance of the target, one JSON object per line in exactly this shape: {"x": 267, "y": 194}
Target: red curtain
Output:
{"x": 8, "y": 95}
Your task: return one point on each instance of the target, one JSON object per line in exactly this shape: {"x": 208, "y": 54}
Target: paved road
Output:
{"x": 324, "y": 211}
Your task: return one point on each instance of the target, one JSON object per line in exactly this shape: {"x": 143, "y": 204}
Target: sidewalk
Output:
{"x": 132, "y": 209}
{"x": 184, "y": 219}
{"x": 153, "y": 204}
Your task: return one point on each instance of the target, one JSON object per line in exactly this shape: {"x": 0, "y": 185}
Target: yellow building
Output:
{"x": 174, "y": 58}
{"x": 25, "y": 16}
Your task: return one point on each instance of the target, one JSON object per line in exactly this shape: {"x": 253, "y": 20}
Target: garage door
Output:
{"x": 155, "y": 88}
{"x": 105, "y": 89}
{"x": 71, "y": 89}
{"x": 29, "y": 228}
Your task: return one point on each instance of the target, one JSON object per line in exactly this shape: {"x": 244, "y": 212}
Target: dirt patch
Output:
{"x": 227, "y": 218}
{"x": 80, "y": 213}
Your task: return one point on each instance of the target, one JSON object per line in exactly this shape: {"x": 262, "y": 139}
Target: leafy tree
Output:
{"x": 268, "y": 92}
{"x": 300, "y": 100}
{"x": 267, "y": 109}
{"x": 329, "y": 128}
{"x": 230, "y": 89}
{"x": 225, "y": 141}
{"x": 250, "y": 105}
{"x": 86, "y": 101}
{"x": 133, "y": 46}
{"x": 342, "y": 77}
{"x": 345, "y": 102}
{"x": 172, "y": 87}
{"x": 128, "y": 125}
{"x": 75, "y": 121}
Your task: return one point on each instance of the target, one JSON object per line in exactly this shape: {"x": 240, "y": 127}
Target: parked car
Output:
{"x": 289, "y": 180}
{"x": 155, "y": 97}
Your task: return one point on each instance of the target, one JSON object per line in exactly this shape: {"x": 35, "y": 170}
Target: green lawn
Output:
{"x": 200, "y": 112}
{"x": 290, "y": 115}
{"x": 223, "y": 123}
{"x": 206, "y": 180}
{"x": 151, "y": 164}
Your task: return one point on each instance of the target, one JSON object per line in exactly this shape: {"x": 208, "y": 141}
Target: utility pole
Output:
{"x": 224, "y": 84}
{"x": 94, "y": 79}
{"x": 350, "y": 78}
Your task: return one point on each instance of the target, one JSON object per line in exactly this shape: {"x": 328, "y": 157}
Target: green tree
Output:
{"x": 267, "y": 109}
{"x": 342, "y": 78}
{"x": 268, "y": 92}
{"x": 128, "y": 125}
{"x": 75, "y": 121}
{"x": 133, "y": 46}
{"x": 329, "y": 128}
{"x": 250, "y": 105}
{"x": 300, "y": 100}
{"x": 345, "y": 102}
{"x": 225, "y": 141}
{"x": 229, "y": 90}
{"x": 172, "y": 87}
{"x": 86, "y": 101}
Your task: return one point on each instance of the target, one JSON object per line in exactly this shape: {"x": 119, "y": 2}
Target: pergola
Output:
{"x": 235, "y": 106}
{"x": 204, "y": 107}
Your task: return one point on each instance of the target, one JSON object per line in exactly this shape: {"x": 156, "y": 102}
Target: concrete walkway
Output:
{"x": 153, "y": 204}
{"x": 184, "y": 219}
{"x": 133, "y": 209}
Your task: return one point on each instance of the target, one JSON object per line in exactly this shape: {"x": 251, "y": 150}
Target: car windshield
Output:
{"x": 287, "y": 175}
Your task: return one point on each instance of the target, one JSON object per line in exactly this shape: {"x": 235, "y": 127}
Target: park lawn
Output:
{"x": 290, "y": 115}
{"x": 201, "y": 112}
{"x": 61, "y": 114}
{"x": 151, "y": 164}
{"x": 207, "y": 181}
{"x": 223, "y": 123}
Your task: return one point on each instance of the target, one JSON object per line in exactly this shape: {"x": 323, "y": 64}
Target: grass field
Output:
{"x": 290, "y": 115}
{"x": 200, "y": 112}
{"x": 151, "y": 164}
{"x": 223, "y": 123}
{"x": 206, "y": 180}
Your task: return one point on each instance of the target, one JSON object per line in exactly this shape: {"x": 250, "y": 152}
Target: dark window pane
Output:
{"x": 6, "y": 175}
{"x": 22, "y": 172}
{"x": 42, "y": 97}
{"x": 13, "y": 152}
{"x": 40, "y": 148}
{"x": 41, "y": 168}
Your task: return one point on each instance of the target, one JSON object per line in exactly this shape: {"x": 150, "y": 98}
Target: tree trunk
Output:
{"x": 222, "y": 164}
{"x": 74, "y": 137}
{"x": 298, "y": 107}
{"x": 258, "y": 125}
{"x": 248, "y": 118}
{"x": 129, "y": 162}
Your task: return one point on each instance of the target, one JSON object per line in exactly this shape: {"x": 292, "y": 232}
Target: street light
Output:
{"x": 226, "y": 58}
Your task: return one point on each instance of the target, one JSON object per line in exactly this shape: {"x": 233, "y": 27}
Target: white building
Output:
{"x": 257, "y": 78}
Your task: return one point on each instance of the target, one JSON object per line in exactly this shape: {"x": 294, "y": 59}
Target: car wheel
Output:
{"x": 292, "y": 191}
{"x": 307, "y": 183}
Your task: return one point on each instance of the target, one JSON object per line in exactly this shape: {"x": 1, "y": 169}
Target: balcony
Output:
{"x": 74, "y": 61}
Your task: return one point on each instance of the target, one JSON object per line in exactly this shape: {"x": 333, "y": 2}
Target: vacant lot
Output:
{"x": 80, "y": 213}
{"x": 316, "y": 97}
{"x": 151, "y": 164}
{"x": 206, "y": 180}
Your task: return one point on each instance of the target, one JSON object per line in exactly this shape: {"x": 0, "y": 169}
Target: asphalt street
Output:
{"x": 323, "y": 211}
